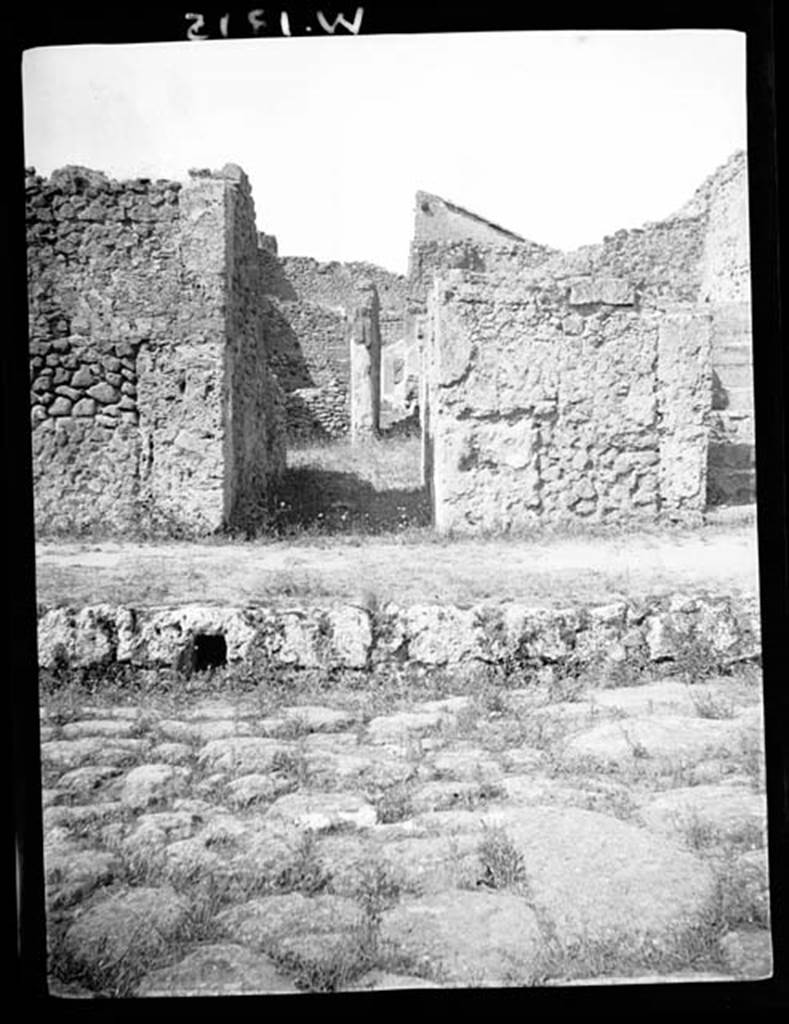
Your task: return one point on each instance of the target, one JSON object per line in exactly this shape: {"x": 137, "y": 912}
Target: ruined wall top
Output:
{"x": 438, "y": 220}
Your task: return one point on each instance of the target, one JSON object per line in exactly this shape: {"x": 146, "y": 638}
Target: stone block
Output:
{"x": 610, "y": 291}
{"x": 85, "y": 407}
{"x": 103, "y": 393}
{"x": 61, "y": 407}
{"x": 83, "y": 378}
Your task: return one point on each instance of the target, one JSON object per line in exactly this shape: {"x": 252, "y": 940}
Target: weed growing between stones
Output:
{"x": 394, "y": 804}
{"x": 502, "y": 865}
{"x": 637, "y": 748}
{"x": 736, "y": 905}
{"x": 708, "y": 705}
{"x": 696, "y": 658}
{"x": 635, "y": 669}
{"x": 377, "y": 889}
{"x": 107, "y": 973}
{"x": 306, "y": 873}
{"x": 752, "y": 758}
{"x": 703, "y": 836}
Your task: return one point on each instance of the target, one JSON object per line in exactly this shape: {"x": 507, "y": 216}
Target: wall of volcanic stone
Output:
{"x": 130, "y": 315}
{"x": 562, "y": 401}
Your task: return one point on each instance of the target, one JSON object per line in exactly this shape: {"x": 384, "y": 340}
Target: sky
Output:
{"x": 560, "y": 137}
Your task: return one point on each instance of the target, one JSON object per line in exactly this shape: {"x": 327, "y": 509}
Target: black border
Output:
{"x": 71, "y": 24}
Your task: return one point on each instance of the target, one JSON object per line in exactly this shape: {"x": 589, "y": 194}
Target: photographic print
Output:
{"x": 394, "y": 477}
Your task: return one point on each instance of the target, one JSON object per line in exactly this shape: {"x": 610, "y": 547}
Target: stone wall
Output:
{"x": 146, "y": 347}
{"x": 726, "y": 289}
{"x": 568, "y": 400}
{"x": 698, "y": 255}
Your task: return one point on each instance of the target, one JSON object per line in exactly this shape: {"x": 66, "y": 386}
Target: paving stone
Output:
{"x": 242, "y": 755}
{"x": 222, "y": 709}
{"x": 126, "y": 713}
{"x": 399, "y": 728}
{"x": 679, "y": 978}
{"x": 248, "y": 851}
{"x": 73, "y": 872}
{"x": 380, "y": 981}
{"x": 317, "y": 718}
{"x": 321, "y": 959}
{"x": 69, "y": 990}
{"x": 443, "y": 705}
{"x": 433, "y": 823}
{"x": 220, "y": 969}
{"x": 146, "y": 842}
{"x": 519, "y": 759}
{"x": 468, "y": 938}
{"x": 202, "y": 732}
{"x": 348, "y": 763}
{"x": 47, "y": 732}
{"x": 596, "y": 878}
{"x": 444, "y": 794}
{"x": 85, "y": 782}
{"x": 748, "y": 954}
{"x": 264, "y": 923}
{"x": 255, "y": 788}
{"x": 322, "y": 812}
{"x": 128, "y": 926}
{"x": 466, "y": 763}
{"x": 614, "y": 743}
{"x": 661, "y": 698}
{"x": 722, "y": 812}
{"x": 172, "y": 753}
{"x": 151, "y": 785}
{"x": 99, "y": 727}
{"x": 66, "y": 754}
{"x": 754, "y": 879}
{"x": 75, "y": 817}
{"x": 429, "y": 864}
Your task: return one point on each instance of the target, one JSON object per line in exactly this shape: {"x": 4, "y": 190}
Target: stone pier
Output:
{"x": 364, "y": 339}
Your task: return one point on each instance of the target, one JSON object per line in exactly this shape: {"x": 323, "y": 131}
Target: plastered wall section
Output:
{"x": 546, "y": 402}
{"x": 726, "y": 291}
{"x": 254, "y": 438}
{"x": 129, "y": 312}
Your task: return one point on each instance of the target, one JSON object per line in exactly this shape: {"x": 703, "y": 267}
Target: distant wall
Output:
{"x": 699, "y": 255}
{"x": 308, "y": 306}
{"x": 561, "y": 401}
{"x": 150, "y": 398}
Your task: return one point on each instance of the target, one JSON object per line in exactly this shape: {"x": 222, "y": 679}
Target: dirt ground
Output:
{"x": 720, "y": 557}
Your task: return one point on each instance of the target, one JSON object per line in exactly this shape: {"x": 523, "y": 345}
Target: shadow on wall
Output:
{"x": 286, "y": 357}
{"x": 330, "y": 501}
{"x": 720, "y": 396}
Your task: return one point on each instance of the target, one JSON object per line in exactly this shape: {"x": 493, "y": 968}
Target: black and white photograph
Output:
{"x": 392, "y": 432}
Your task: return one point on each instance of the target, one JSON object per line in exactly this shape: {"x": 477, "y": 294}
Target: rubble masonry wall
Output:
{"x": 139, "y": 343}
{"x": 562, "y": 400}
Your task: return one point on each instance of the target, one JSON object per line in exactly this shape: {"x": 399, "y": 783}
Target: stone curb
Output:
{"x": 660, "y": 629}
